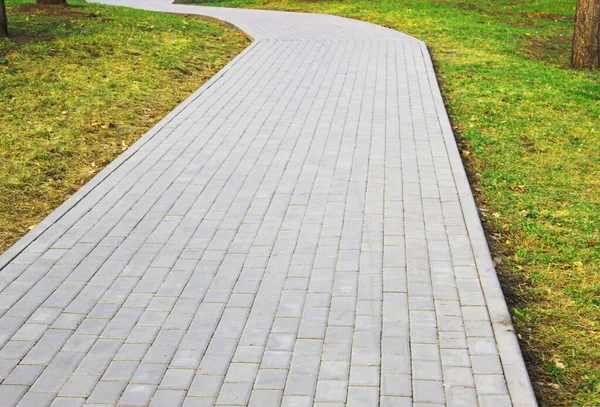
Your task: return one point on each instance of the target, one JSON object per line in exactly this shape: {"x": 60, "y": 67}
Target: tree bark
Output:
{"x": 51, "y": 2}
{"x": 586, "y": 40}
{"x": 3, "y": 20}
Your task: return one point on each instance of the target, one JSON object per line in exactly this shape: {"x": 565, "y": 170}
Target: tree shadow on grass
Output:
{"x": 40, "y": 23}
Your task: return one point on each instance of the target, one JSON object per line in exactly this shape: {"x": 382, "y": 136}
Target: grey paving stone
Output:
{"x": 206, "y": 386}
{"x": 300, "y": 385}
{"x": 364, "y": 375}
{"x": 79, "y": 385}
{"x": 10, "y": 394}
{"x": 36, "y": 399}
{"x": 177, "y": 379}
{"x": 427, "y": 391}
{"x": 149, "y": 373}
{"x": 362, "y": 396}
{"x": 334, "y": 370}
{"x": 235, "y": 393}
{"x": 120, "y": 370}
{"x": 198, "y": 402}
{"x": 270, "y": 379}
{"x": 241, "y": 372}
{"x": 396, "y": 385}
{"x": 331, "y": 391}
{"x": 24, "y": 375}
{"x": 168, "y": 398}
{"x": 94, "y": 365}
{"x": 461, "y": 396}
{"x": 107, "y": 392}
{"x": 67, "y": 402}
{"x": 137, "y": 395}
{"x": 66, "y": 361}
{"x": 490, "y": 384}
{"x": 50, "y": 381}
{"x": 265, "y": 398}
{"x": 390, "y": 401}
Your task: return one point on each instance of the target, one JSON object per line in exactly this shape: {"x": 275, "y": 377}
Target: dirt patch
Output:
{"x": 472, "y": 6}
{"x": 528, "y": 144}
{"x": 19, "y": 40}
{"x": 555, "y": 49}
{"x": 520, "y": 23}
{"x": 55, "y": 11}
{"x": 547, "y": 16}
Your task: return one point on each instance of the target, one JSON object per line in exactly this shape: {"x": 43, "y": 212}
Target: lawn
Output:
{"x": 79, "y": 84}
{"x": 76, "y": 93}
{"x": 529, "y": 131}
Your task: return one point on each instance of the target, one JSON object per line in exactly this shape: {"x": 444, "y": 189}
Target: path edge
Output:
{"x": 515, "y": 372}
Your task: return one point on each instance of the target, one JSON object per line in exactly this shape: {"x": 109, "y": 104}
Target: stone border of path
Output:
{"x": 515, "y": 371}
{"x": 516, "y": 375}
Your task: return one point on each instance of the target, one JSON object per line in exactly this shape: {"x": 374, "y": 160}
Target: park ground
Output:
{"x": 527, "y": 126}
{"x": 529, "y": 132}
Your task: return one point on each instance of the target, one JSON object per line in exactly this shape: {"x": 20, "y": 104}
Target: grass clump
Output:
{"x": 79, "y": 84}
{"x": 529, "y": 131}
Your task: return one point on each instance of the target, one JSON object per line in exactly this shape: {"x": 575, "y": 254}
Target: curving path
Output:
{"x": 298, "y": 232}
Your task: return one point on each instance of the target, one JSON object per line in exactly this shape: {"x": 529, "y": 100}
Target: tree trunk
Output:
{"x": 586, "y": 40}
{"x": 52, "y": 2}
{"x": 3, "y": 21}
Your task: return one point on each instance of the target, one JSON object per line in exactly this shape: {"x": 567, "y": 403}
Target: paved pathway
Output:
{"x": 298, "y": 232}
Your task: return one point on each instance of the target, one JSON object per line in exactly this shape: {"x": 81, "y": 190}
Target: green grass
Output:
{"x": 80, "y": 84}
{"x": 529, "y": 130}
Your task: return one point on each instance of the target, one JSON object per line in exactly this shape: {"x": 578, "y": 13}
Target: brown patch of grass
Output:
{"x": 59, "y": 11}
{"x": 555, "y": 49}
{"x": 547, "y": 16}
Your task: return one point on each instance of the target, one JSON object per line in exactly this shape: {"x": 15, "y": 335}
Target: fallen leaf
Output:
{"x": 591, "y": 243}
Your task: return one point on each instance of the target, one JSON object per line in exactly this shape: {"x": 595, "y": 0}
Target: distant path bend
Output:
{"x": 300, "y": 231}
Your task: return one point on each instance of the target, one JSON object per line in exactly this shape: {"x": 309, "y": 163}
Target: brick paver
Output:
{"x": 298, "y": 232}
